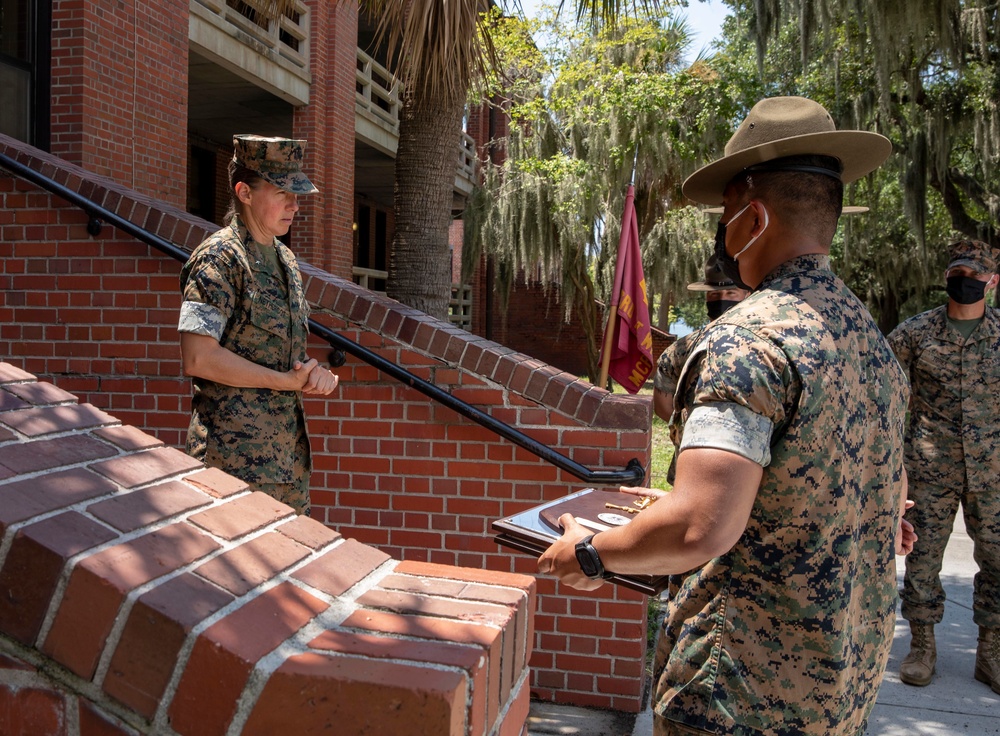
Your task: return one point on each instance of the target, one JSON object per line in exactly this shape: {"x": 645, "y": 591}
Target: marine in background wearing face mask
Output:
{"x": 951, "y": 356}
{"x": 721, "y": 294}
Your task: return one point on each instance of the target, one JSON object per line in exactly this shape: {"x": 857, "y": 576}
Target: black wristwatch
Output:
{"x": 590, "y": 561}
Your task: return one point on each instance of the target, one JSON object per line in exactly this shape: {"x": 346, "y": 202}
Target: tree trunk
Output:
{"x": 426, "y": 163}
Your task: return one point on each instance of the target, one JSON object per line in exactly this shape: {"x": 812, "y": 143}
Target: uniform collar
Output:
{"x": 799, "y": 264}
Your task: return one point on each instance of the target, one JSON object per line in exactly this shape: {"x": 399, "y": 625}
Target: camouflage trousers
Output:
{"x": 933, "y": 515}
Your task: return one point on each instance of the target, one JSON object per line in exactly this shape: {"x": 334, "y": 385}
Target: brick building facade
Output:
{"x": 133, "y": 128}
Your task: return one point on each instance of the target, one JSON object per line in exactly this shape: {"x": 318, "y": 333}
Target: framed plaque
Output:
{"x": 534, "y": 530}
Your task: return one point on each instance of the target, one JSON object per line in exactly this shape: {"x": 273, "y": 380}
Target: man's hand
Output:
{"x": 314, "y": 378}
{"x": 905, "y": 536}
{"x": 560, "y": 559}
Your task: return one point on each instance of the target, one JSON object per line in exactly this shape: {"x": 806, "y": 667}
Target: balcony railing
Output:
{"x": 377, "y": 98}
{"x": 288, "y": 37}
{"x": 459, "y": 305}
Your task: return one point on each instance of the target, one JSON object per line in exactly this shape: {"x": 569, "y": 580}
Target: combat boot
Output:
{"x": 988, "y": 658}
{"x": 918, "y": 666}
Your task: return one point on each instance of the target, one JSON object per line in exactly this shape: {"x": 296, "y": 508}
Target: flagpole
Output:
{"x": 609, "y": 327}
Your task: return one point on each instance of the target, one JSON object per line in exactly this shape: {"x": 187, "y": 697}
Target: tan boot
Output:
{"x": 988, "y": 658}
{"x": 918, "y": 666}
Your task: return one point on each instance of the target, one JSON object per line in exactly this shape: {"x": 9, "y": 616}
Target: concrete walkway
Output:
{"x": 954, "y": 702}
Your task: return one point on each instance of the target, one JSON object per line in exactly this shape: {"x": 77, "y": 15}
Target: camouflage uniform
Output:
{"x": 952, "y": 447}
{"x": 668, "y": 370}
{"x": 798, "y": 378}
{"x": 253, "y": 303}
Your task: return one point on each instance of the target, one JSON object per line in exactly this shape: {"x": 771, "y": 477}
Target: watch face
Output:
{"x": 586, "y": 564}
{"x": 587, "y": 557}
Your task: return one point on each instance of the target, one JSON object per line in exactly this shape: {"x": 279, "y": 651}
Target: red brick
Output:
{"x": 21, "y": 500}
{"x": 461, "y": 632}
{"x": 310, "y": 692}
{"x": 39, "y": 421}
{"x": 9, "y": 402}
{"x": 53, "y": 453}
{"x": 41, "y": 393}
{"x": 30, "y": 710}
{"x": 147, "y": 466}
{"x": 309, "y": 532}
{"x": 468, "y": 658}
{"x": 95, "y": 723}
{"x": 217, "y": 483}
{"x": 33, "y": 565}
{"x": 515, "y": 720}
{"x": 99, "y": 584}
{"x": 140, "y": 508}
{"x": 226, "y": 653}
{"x": 341, "y": 567}
{"x": 152, "y": 638}
{"x": 241, "y": 516}
{"x": 128, "y": 438}
{"x": 11, "y": 373}
{"x": 241, "y": 569}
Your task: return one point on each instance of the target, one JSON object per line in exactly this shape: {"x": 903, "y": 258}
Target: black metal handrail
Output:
{"x": 631, "y": 475}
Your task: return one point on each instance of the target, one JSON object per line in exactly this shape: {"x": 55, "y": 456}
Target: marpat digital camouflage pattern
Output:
{"x": 277, "y": 160}
{"x": 253, "y": 303}
{"x": 789, "y": 632}
{"x": 975, "y": 254}
{"x": 952, "y": 455}
{"x": 668, "y": 371}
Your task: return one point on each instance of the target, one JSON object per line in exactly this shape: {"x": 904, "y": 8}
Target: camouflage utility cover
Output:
{"x": 975, "y": 254}
{"x": 789, "y": 632}
{"x": 277, "y": 160}
{"x": 954, "y": 430}
{"x": 230, "y": 293}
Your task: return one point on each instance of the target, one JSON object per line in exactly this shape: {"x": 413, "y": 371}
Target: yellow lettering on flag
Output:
{"x": 626, "y": 305}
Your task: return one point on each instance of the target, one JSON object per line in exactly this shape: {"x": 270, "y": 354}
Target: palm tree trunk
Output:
{"x": 426, "y": 163}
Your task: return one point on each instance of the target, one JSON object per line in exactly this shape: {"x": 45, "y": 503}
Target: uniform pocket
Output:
{"x": 269, "y": 314}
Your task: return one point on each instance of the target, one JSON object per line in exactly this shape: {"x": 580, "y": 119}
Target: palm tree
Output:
{"x": 437, "y": 50}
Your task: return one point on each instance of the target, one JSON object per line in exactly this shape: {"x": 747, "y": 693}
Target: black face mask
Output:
{"x": 965, "y": 289}
{"x": 727, "y": 263}
{"x": 719, "y": 307}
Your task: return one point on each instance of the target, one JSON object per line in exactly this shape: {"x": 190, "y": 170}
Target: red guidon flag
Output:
{"x": 631, "y": 359}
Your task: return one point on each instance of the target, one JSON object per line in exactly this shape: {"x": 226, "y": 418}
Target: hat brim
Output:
{"x": 974, "y": 265}
{"x": 850, "y": 209}
{"x": 860, "y": 152}
{"x": 704, "y": 286}
{"x": 296, "y": 183}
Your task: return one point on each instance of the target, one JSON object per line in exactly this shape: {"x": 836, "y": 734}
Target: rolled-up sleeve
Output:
{"x": 201, "y": 319}
{"x": 738, "y": 389}
{"x": 730, "y": 427}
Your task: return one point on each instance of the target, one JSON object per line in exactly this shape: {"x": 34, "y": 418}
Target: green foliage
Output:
{"x": 604, "y": 102}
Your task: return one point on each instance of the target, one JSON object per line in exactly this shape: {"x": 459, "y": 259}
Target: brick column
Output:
{"x": 323, "y": 235}
{"x": 119, "y": 92}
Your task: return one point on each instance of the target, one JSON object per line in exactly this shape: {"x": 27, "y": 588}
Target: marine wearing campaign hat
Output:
{"x": 780, "y": 127}
{"x": 276, "y": 160}
{"x": 796, "y": 379}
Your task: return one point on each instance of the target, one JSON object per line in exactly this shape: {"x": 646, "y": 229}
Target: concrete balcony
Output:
{"x": 273, "y": 55}
{"x": 376, "y": 119}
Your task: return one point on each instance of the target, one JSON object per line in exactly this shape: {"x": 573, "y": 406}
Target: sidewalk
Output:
{"x": 954, "y": 703}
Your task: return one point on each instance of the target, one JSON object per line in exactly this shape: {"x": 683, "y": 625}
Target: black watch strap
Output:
{"x": 590, "y": 561}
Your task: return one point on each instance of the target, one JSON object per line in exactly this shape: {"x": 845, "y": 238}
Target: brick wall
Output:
{"x": 172, "y": 596}
{"x": 119, "y": 92}
{"x": 97, "y": 316}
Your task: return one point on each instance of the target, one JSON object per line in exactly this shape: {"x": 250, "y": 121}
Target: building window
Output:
{"x": 24, "y": 70}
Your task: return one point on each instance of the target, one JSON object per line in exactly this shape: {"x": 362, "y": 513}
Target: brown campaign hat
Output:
{"x": 715, "y": 278}
{"x": 778, "y": 127}
{"x": 277, "y": 160}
